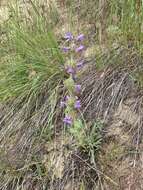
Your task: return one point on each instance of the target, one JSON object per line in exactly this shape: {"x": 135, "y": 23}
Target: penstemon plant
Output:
{"x": 74, "y": 51}
{"x": 87, "y": 138}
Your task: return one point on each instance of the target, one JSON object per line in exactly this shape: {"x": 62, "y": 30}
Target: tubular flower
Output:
{"x": 68, "y": 36}
{"x": 80, "y": 48}
{"x": 66, "y": 49}
{"x": 67, "y": 120}
{"x": 66, "y": 98}
{"x": 80, "y": 64}
{"x": 80, "y": 37}
{"x": 78, "y": 88}
{"x": 77, "y": 104}
{"x": 70, "y": 70}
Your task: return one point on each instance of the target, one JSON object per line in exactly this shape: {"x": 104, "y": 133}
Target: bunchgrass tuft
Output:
{"x": 34, "y": 56}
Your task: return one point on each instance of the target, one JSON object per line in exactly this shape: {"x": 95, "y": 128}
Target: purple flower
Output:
{"x": 78, "y": 88}
{"x": 66, "y": 98}
{"x": 80, "y": 48}
{"x": 62, "y": 104}
{"x": 70, "y": 70}
{"x": 80, "y": 64}
{"x": 68, "y": 36}
{"x": 80, "y": 37}
{"x": 66, "y": 49}
{"x": 77, "y": 104}
{"x": 67, "y": 120}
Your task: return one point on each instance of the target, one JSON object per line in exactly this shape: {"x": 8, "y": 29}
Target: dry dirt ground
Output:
{"x": 116, "y": 99}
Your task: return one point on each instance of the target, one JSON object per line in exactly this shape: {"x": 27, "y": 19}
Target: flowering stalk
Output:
{"x": 71, "y": 103}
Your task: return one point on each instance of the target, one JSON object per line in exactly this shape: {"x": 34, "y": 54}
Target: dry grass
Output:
{"x": 34, "y": 144}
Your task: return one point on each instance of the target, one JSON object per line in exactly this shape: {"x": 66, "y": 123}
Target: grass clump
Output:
{"x": 89, "y": 139}
{"x": 30, "y": 81}
{"x": 34, "y": 56}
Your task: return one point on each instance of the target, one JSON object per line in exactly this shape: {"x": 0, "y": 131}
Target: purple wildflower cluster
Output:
{"x": 74, "y": 48}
